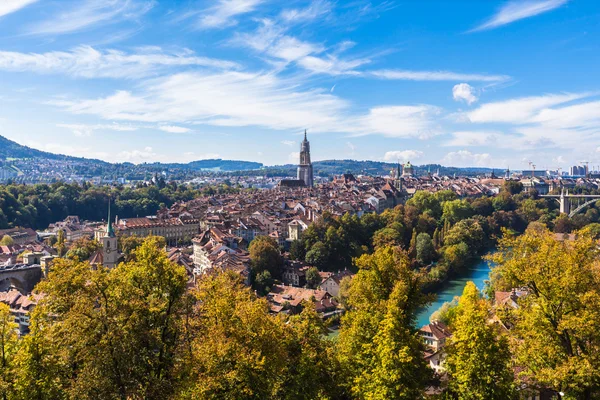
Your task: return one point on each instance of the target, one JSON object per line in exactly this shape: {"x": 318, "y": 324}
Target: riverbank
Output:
{"x": 478, "y": 273}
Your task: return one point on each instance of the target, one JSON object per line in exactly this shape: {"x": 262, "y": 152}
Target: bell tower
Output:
{"x": 110, "y": 251}
{"x": 305, "y": 168}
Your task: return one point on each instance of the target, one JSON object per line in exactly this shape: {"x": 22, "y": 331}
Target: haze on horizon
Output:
{"x": 494, "y": 84}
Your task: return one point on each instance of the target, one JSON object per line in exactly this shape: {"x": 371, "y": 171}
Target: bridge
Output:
{"x": 564, "y": 199}
{"x": 22, "y": 276}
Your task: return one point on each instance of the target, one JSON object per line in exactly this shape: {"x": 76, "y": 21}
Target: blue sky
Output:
{"x": 462, "y": 82}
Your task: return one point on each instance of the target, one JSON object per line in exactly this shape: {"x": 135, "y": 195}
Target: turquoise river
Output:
{"x": 478, "y": 274}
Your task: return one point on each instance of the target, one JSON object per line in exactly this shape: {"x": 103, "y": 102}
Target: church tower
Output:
{"x": 305, "y": 169}
{"x": 110, "y": 253}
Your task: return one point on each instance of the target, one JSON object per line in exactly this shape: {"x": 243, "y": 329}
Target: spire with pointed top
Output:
{"x": 109, "y": 229}
{"x": 305, "y": 135}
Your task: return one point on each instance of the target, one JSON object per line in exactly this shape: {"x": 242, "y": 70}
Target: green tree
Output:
{"x": 236, "y": 348}
{"x": 265, "y": 255}
{"x": 318, "y": 256}
{"x": 9, "y": 344}
{"x": 425, "y": 248}
{"x": 478, "y": 359}
{"x": 557, "y": 324}
{"x": 313, "y": 278}
{"x": 387, "y": 237}
{"x": 446, "y": 313}
{"x": 456, "y": 210}
{"x": 378, "y": 332}
{"x": 512, "y": 187}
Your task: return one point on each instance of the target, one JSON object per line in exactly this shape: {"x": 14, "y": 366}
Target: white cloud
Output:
{"x": 398, "y": 121}
{"x": 138, "y": 155}
{"x": 436, "y": 76}
{"x": 223, "y": 14}
{"x": 520, "y": 110}
{"x": 404, "y": 155}
{"x": 10, "y": 6}
{"x": 174, "y": 129}
{"x": 87, "y": 62}
{"x": 245, "y": 99}
{"x": 351, "y": 149}
{"x": 464, "y": 92}
{"x": 477, "y": 138}
{"x": 464, "y": 158}
{"x": 89, "y": 13}
{"x": 288, "y": 142}
{"x": 519, "y": 9}
{"x": 315, "y": 10}
{"x": 87, "y": 130}
{"x": 332, "y": 65}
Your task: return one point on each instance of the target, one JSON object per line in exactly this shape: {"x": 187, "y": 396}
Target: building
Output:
{"x": 435, "y": 335}
{"x": 332, "y": 284}
{"x": 174, "y": 230}
{"x": 20, "y": 307}
{"x": 408, "y": 170}
{"x": 110, "y": 250}
{"x": 305, "y": 168}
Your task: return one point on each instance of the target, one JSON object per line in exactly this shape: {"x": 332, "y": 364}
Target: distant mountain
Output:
{"x": 10, "y": 149}
{"x": 336, "y": 167}
{"x": 218, "y": 165}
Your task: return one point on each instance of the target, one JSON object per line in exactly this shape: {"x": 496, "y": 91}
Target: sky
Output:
{"x": 461, "y": 83}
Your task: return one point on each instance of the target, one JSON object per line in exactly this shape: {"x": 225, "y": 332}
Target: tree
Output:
{"x": 412, "y": 247}
{"x": 60, "y": 243}
{"x": 562, "y": 224}
{"x": 456, "y": 210}
{"x": 425, "y": 248}
{"x": 512, "y": 187}
{"x": 457, "y": 255}
{"x": 313, "y": 278}
{"x": 265, "y": 255}
{"x": 263, "y": 282}
{"x": 111, "y": 334}
{"x": 387, "y": 237}
{"x": 446, "y": 313}
{"x": 7, "y": 241}
{"x": 237, "y": 350}
{"x": 318, "y": 255}
{"x": 9, "y": 344}
{"x": 558, "y": 323}
{"x": 478, "y": 359}
{"x": 396, "y": 368}
{"x": 378, "y": 331}
{"x": 297, "y": 251}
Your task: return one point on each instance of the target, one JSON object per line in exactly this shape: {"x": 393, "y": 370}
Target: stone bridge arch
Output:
{"x": 24, "y": 279}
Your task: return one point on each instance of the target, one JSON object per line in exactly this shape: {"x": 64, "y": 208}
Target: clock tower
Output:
{"x": 110, "y": 251}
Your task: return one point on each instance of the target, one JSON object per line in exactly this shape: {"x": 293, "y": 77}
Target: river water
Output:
{"x": 478, "y": 274}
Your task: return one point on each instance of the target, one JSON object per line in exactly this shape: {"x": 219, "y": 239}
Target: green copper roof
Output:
{"x": 109, "y": 230}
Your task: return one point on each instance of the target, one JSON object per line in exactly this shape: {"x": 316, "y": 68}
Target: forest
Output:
{"x": 37, "y": 206}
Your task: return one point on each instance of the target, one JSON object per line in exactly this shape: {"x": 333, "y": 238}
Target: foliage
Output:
{"x": 7, "y": 241}
{"x": 313, "y": 278}
{"x": 425, "y": 249}
{"x": 265, "y": 256}
{"x": 556, "y": 337}
{"x": 478, "y": 359}
{"x": 378, "y": 347}
{"x": 446, "y": 314}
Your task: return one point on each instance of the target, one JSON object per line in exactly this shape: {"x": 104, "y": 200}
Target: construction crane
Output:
{"x": 533, "y": 171}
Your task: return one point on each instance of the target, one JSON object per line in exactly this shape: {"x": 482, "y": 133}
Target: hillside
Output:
{"x": 10, "y": 149}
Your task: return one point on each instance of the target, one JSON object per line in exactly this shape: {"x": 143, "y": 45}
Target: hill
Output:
{"x": 10, "y": 149}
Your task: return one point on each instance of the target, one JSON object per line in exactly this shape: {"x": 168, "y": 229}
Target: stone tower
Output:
{"x": 110, "y": 252}
{"x": 305, "y": 169}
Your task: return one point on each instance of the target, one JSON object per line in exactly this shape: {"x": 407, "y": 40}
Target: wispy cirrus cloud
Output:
{"x": 237, "y": 99}
{"x": 87, "y": 130}
{"x": 517, "y": 10}
{"x": 397, "y": 74}
{"x": 88, "y": 62}
{"x": 11, "y": 6}
{"x": 224, "y": 13}
{"x": 91, "y": 13}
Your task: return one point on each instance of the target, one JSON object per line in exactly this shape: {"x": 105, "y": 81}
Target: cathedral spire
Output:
{"x": 305, "y": 136}
{"x": 109, "y": 229}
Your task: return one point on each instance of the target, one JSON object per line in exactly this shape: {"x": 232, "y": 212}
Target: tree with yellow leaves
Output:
{"x": 557, "y": 329}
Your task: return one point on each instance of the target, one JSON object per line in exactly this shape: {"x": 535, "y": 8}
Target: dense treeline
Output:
{"x": 136, "y": 333}
{"x": 438, "y": 231}
{"x": 37, "y": 206}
